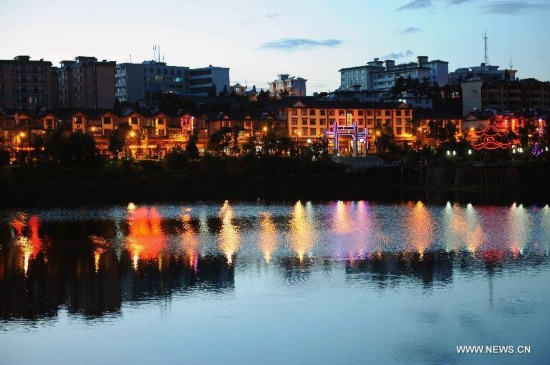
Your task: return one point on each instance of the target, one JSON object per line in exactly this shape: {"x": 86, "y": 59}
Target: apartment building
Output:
{"x": 25, "y": 84}
{"x": 381, "y": 75}
{"x": 484, "y": 72}
{"x": 209, "y": 80}
{"x": 287, "y": 85}
{"x": 506, "y": 96}
{"x": 134, "y": 80}
{"x": 86, "y": 83}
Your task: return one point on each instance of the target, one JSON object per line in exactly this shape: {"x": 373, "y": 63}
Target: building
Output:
{"x": 503, "y": 96}
{"x": 286, "y": 85}
{"x": 208, "y": 80}
{"x": 237, "y": 89}
{"x": 25, "y": 84}
{"x": 134, "y": 80}
{"x": 484, "y": 72}
{"x": 307, "y": 120}
{"x": 381, "y": 75}
{"x": 86, "y": 83}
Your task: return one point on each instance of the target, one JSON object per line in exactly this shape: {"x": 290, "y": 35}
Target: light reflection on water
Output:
{"x": 336, "y": 277}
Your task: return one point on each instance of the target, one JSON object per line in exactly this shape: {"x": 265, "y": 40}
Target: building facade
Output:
{"x": 209, "y": 80}
{"x": 307, "y": 120}
{"x": 287, "y": 85}
{"x": 381, "y": 75}
{"x": 506, "y": 96}
{"x": 25, "y": 84}
{"x": 86, "y": 83}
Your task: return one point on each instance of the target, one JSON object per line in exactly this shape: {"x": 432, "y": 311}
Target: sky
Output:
{"x": 260, "y": 39}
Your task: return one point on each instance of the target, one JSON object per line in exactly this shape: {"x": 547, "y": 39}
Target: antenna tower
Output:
{"x": 486, "y": 59}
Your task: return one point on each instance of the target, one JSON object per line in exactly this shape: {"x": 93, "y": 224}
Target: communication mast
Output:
{"x": 486, "y": 59}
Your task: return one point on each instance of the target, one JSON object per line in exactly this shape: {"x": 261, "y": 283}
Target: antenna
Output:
{"x": 159, "y": 53}
{"x": 486, "y": 59}
{"x": 154, "y": 53}
{"x": 511, "y": 66}
{"x": 130, "y": 58}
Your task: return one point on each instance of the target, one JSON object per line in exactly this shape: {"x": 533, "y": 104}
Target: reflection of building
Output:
{"x": 286, "y": 85}
{"x": 377, "y": 76}
{"x": 25, "y": 84}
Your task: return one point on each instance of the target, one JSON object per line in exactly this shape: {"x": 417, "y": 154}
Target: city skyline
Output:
{"x": 259, "y": 41}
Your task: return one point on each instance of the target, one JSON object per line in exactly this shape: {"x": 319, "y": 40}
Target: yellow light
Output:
{"x": 132, "y": 134}
{"x": 22, "y": 134}
{"x": 265, "y": 129}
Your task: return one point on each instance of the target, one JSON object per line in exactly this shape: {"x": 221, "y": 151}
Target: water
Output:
{"x": 325, "y": 283}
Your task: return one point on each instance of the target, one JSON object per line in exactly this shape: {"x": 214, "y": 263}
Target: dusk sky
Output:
{"x": 259, "y": 39}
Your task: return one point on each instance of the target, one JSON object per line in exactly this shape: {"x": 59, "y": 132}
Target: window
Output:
{"x": 331, "y": 112}
{"x": 311, "y": 111}
{"x": 399, "y": 130}
{"x": 387, "y": 122}
{"x": 322, "y": 121}
{"x": 295, "y": 131}
{"x": 304, "y": 131}
{"x": 294, "y": 121}
{"x": 360, "y": 113}
{"x": 304, "y": 121}
{"x": 294, "y": 112}
{"x": 370, "y": 122}
{"x": 313, "y": 131}
{"x": 388, "y": 113}
{"x": 341, "y": 113}
{"x": 304, "y": 111}
{"x": 369, "y": 113}
{"x": 312, "y": 122}
{"x": 106, "y": 120}
{"x": 398, "y": 121}
{"x": 407, "y": 113}
{"x": 398, "y": 113}
{"x": 321, "y": 112}
{"x": 160, "y": 121}
{"x": 378, "y": 113}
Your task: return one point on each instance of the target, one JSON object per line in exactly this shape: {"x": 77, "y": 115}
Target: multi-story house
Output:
{"x": 381, "y": 75}
{"x": 25, "y": 84}
{"x": 86, "y": 83}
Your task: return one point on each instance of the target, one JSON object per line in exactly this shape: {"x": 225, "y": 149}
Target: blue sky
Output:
{"x": 260, "y": 39}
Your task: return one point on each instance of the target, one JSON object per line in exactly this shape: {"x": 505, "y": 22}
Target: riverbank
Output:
{"x": 36, "y": 186}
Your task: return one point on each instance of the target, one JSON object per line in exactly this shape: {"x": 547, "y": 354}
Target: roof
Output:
{"x": 311, "y": 102}
{"x": 437, "y": 114}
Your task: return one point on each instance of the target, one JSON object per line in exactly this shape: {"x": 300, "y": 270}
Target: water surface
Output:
{"x": 336, "y": 282}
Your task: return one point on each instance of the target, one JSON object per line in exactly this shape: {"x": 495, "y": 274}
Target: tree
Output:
{"x": 220, "y": 140}
{"x": 191, "y": 147}
{"x": 283, "y": 93}
{"x": 117, "y": 141}
{"x": 263, "y": 96}
{"x": 69, "y": 148}
{"x": 442, "y": 132}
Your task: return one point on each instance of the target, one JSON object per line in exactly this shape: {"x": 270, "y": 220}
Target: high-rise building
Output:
{"x": 381, "y": 75}
{"x": 285, "y": 84}
{"x": 133, "y": 80}
{"x": 86, "y": 83}
{"x": 25, "y": 84}
{"x": 209, "y": 80}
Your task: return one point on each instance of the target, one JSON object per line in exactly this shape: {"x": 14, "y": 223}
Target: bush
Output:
{"x": 177, "y": 159}
{"x": 4, "y": 157}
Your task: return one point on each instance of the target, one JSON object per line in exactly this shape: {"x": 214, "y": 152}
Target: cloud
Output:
{"x": 416, "y": 4}
{"x": 511, "y": 7}
{"x": 294, "y": 44}
{"x": 266, "y": 16}
{"x": 458, "y": 2}
{"x": 410, "y": 30}
{"x": 398, "y": 55}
